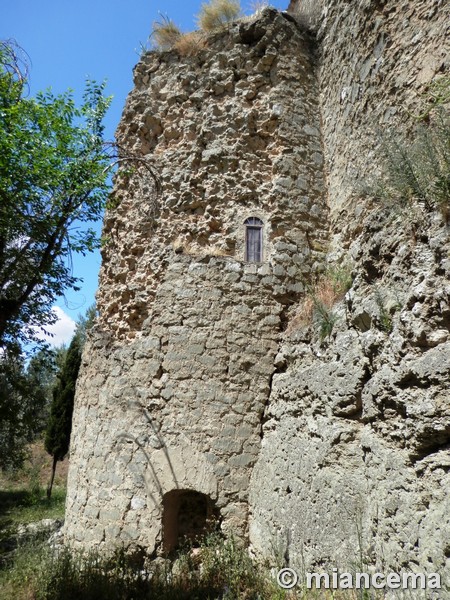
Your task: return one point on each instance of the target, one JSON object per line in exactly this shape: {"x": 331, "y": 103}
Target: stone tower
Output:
{"x": 196, "y": 279}
{"x": 195, "y": 404}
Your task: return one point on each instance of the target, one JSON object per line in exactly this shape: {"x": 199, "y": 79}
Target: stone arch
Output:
{"x": 187, "y": 515}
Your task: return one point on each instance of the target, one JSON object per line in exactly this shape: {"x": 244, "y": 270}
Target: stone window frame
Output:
{"x": 254, "y": 223}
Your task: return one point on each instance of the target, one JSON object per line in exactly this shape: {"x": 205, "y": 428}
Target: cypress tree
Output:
{"x": 57, "y": 436}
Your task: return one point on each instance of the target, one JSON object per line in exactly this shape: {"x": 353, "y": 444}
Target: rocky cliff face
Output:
{"x": 198, "y": 378}
{"x": 355, "y": 442}
{"x": 357, "y": 427}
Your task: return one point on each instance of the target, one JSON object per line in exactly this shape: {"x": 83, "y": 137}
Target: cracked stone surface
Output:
{"x": 174, "y": 382}
{"x": 318, "y": 451}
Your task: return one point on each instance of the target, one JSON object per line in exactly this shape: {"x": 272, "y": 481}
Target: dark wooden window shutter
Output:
{"x": 253, "y": 240}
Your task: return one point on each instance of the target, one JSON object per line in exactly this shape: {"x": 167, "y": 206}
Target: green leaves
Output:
{"x": 57, "y": 437}
{"x": 53, "y": 177}
{"x": 416, "y": 169}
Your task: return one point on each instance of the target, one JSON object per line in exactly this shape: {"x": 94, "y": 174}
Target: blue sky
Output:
{"x": 69, "y": 41}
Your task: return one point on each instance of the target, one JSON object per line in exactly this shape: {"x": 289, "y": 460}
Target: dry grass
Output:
{"x": 165, "y": 33}
{"x": 322, "y": 292}
{"x": 190, "y": 44}
{"x": 317, "y": 306}
{"x": 37, "y": 466}
{"x": 218, "y": 14}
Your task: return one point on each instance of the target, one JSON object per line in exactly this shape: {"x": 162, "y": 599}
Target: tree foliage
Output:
{"x": 22, "y": 400}
{"x": 25, "y": 397}
{"x": 85, "y": 323}
{"x": 57, "y": 436}
{"x": 27, "y": 392}
{"x": 53, "y": 181}
{"x": 59, "y": 426}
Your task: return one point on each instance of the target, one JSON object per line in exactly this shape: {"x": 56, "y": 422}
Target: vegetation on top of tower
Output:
{"x": 217, "y": 14}
{"x": 165, "y": 33}
{"x": 213, "y": 16}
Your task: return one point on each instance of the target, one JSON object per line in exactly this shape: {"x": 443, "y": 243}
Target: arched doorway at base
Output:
{"x": 187, "y": 516}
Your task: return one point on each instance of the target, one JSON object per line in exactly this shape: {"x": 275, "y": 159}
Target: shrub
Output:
{"x": 417, "y": 167}
{"x": 257, "y": 6}
{"x": 165, "y": 33}
{"x": 190, "y": 44}
{"x": 218, "y": 569}
{"x": 419, "y": 171}
{"x": 317, "y": 307}
{"x": 387, "y": 307}
{"x": 218, "y": 14}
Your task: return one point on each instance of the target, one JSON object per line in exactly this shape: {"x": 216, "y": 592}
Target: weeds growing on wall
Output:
{"x": 165, "y": 33}
{"x": 417, "y": 167}
{"x": 385, "y": 319}
{"x": 190, "y": 44}
{"x": 217, "y": 570}
{"x": 218, "y": 14}
{"x": 257, "y": 6}
{"x": 317, "y": 306}
{"x": 213, "y": 16}
{"x": 387, "y": 307}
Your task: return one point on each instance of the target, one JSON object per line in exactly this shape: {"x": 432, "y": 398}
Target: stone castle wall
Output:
{"x": 355, "y": 440}
{"x": 218, "y": 129}
{"x": 377, "y": 58}
{"x": 174, "y": 383}
{"x": 320, "y": 450}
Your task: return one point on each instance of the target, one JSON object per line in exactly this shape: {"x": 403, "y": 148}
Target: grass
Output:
{"x": 167, "y": 36}
{"x": 218, "y": 14}
{"x": 20, "y": 505}
{"x": 416, "y": 169}
{"x": 214, "y": 15}
{"x": 317, "y": 306}
{"x": 165, "y": 33}
{"x": 23, "y": 500}
{"x": 257, "y": 6}
{"x": 22, "y": 493}
{"x": 190, "y": 44}
{"x": 218, "y": 570}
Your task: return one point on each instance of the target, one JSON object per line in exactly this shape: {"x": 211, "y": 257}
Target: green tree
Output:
{"x": 25, "y": 397}
{"x": 41, "y": 374}
{"x": 57, "y": 437}
{"x": 53, "y": 181}
{"x": 85, "y": 323}
{"x": 59, "y": 425}
{"x": 21, "y": 400}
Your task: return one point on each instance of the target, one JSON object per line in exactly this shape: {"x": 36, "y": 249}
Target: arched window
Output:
{"x": 253, "y": 240}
